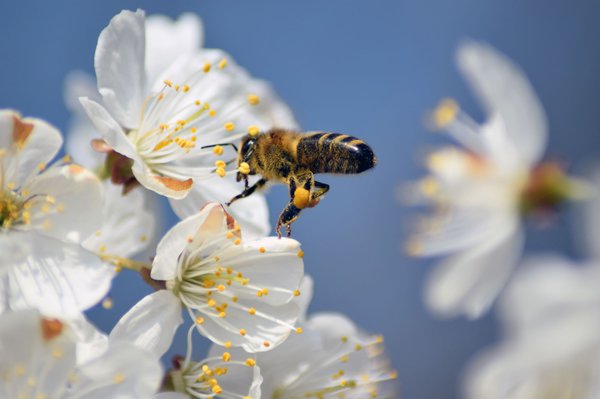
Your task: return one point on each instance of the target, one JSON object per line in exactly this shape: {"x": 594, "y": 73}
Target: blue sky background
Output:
{"x": 369, "y": 68}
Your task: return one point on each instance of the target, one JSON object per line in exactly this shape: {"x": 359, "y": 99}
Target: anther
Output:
{"x": 217, "y": 150}
{"x": 223, "y": 63}
{"x": 253, "y": 99}
{"x": 229, "y": 126}
{"x": 253, "y": 130}
{"x": 244, "y": 168}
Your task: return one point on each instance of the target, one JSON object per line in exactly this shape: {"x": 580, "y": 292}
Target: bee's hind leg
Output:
{"x": 247, "y": 191}
{"x": 318, "y": 191}
{"x": 288, "y": 216}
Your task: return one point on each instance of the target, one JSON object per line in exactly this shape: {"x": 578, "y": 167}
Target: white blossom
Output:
{"x": 45, "y": 211}
{"x": 38, "y": 360}
{"x": 481, "y": 189}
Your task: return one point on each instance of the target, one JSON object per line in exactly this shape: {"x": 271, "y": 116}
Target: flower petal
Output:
{"x": 110, "y": 130}
{"x": 468, "y": 282}
{"x": 505, "y": 92}
{"x": 251, "y": 213}
{"x": 119, "y": 63}
{"x": 29, "y": 145}
{"x": 163, "y": 185}
{"x": 67, "y": 202}
{"x": 173, "y": 243}
{"x": 128, "y": 226}
{"x": 58, "y": 278}
{"x": 167, "y": 39}
{"x": 125, "y": 371}
{"x": 151, "y": 323}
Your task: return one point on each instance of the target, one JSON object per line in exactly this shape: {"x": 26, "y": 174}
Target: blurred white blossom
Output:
{"x": 551, "y": 349}
{"x": 330, "y": 359}
{"x": 38, "y": 360}
{"x": 481, "y": 189}
{"x": 45, "y": 212}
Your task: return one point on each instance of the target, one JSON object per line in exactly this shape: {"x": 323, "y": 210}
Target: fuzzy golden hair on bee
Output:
{"x": 293, "y": 158}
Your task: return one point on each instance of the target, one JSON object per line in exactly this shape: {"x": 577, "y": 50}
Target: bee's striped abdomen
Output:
{"x": 334, "y": 153}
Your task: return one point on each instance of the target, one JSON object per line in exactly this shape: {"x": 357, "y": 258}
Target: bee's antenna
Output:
{"x": 222, "y": 144}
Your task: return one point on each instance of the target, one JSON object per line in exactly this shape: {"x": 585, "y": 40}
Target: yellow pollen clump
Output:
{"x": 143, "y": 238}
{"x": 206, "y": 67}
{"x": 233, "y": 298}
{"x": 197, "y": 102}
{"x": 445, "y": 113}
{"x": 237, "y": 241}
{"x": 41, "y": 166}
{"x": 253, "y": 130}
{"x": 168, "y": 82}
{"x": 226, "y": 356}
{"x": 344, "y": 339}
{"x": 223, "y": 63}
{"x": 253, "y": 99}
{"x": 67, "y": 159}
{"x": 358, "y": 347}
{"x": 199, "y": 320}
{"x": 217, "y": 150}
{"x": 229, "y": 234}
{"x": 262, "y": 250}
{"x": 296, "y": 292}
{"x": 299, "y": 330}
{"x": 211, "y": 302}
{"x": 102, "y": 248}
{"x": 217, "y": 389}
{"x": 221, "y": 172}
{"x": 212, "y": 112}
{"x": 186, "y": 88}
{"x": 176, "y": 87}
{"x": 229, "y": 270}
{"x": 344, "y": 359}
{"x": 221, "y": 288}
{"x": 228, "y": 344}
{"x": 244, "y": 168}
{"x": 222, "y": 315}
{"x": 229, "y": 126}
{"x": 300, "y": 254}
{"x": 243, "y": 332}
{"x": 252, "y": 311}
{"x": 107, "y": 303}
{"x": 119, "y": 378}
{"x": 220, "y": 164}
{"x": 301, "y": 198}
{"x": 250, "y": 362}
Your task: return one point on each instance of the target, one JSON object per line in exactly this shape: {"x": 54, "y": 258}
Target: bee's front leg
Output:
{"x": 288, "y": 216}
{"x": 248, "y": 191}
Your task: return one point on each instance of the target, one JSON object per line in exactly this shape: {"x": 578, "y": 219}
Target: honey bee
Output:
{"x": 293, "y": 158}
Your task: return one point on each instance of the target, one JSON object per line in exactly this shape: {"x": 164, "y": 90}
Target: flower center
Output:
{"x": 11, "y": 210}
{"x": 547, "y": 188}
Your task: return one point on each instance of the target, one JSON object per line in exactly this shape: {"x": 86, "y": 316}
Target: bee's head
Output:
{"x": 245, "y": 154}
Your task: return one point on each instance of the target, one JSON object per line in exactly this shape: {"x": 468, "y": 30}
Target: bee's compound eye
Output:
{"x": 248, "y": 148}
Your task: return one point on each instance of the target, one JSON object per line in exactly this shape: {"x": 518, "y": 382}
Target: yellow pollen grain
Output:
{"x": 206, "y": 67}
{"x": 102, "y": 248}
{"x": 186, "y": 88}
{"x": 250, "y": 362}
{"x": 301, "y": 254}
{"x": 217, "y": 389}
{"x": 299, "y": 330}
{"x": 344, "y": 359}
{"x": 220, "y": 164}
{"x": 446, "y": 112}
{"x": 212, "y": 112}
{"x": 211, "y": 302}
{"x": 233, "y": 298}
{"x": 262, "y": 250}
{"x": 217, "y": 150}
{"x": 265, "y": 291}
{"x": 253, "y": 99}
{"x": 168, "y": 82}
{"x": 296, "y": 292}
{"x": 228, "y": 344}
{"x": 222, "y": 315}
{"x": 237, "y": 241}
{"x": 243, "y": 332}
{"x": 253, "y": 130}
{"x": 252, "y": 311}
{"x": 229, "y": 126}
{"x": 197, "y": 102}
{"x": 41, "y": 166}
{"x": 344, "y": 339}
{"x": 229, "y": 270}
{"x": 119, "y": 378}
{"x": 221, "y": 172}
{"x": 107, "y": 303}
{"x": 358, "y": 347}
{"x": 221, "y": 288}
{"x": 176, "y": 87}
{"x": 199, "y": 320}
{"x": 67, "y": 159}
{"x": 229, "y": 234}
{"x": 143, "y": 238}
{"x": 226, "y": 356}
{"x": 244, "y": 168}
{"x": 223, "y": 63}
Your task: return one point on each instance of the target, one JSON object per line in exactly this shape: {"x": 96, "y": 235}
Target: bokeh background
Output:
{"x": 371, "y": 68}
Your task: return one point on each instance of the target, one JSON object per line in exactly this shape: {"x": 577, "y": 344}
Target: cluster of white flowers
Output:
{"x": 151, "y": 124}
{"x": 481, "y": 192}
